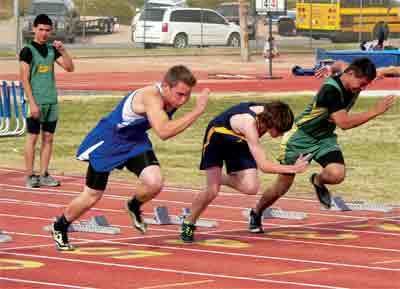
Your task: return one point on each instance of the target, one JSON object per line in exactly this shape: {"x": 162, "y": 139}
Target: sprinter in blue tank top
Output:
{"x": 233, "y": 139}
{"x": 120, "y": 140}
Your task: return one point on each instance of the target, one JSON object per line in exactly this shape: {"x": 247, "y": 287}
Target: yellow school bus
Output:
{"x": 348, "y": 20}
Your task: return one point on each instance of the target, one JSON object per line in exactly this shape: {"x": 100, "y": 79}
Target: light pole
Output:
{"x": 360, "y": 38}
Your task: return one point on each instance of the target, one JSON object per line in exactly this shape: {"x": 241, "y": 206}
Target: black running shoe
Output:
{"x": 187, "y": 232}
{"x": 255, "y": 222}
{"x": 133, "y": 208}
{"x": 324, "y": 196}
{"x": 61, "y": 240}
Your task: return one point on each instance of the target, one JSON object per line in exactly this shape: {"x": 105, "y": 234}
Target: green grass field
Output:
{"x": 371, "y": 151}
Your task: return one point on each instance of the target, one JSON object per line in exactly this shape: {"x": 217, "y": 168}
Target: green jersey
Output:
{"x": 315, "y": 119}
{"x": 42, "y": 78}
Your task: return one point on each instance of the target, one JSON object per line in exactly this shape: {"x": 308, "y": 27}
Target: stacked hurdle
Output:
{"x": 278, "y": 213}
{"x": 12, "y": 108}
{"x": 4, "y": 237}
{"x": 339, "y": 204}
{"x": 162, "y": 217}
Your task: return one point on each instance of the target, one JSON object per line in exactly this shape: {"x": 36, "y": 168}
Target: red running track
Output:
{"x": 327, "y": 250}
{"x": 125, "y": 81}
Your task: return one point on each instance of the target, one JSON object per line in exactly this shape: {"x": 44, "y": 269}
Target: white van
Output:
{"x": 183, "y": 27}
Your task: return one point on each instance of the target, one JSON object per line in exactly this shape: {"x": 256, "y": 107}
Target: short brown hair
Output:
{"x": 278, "y": 115}
{"x": 179, "y": 73}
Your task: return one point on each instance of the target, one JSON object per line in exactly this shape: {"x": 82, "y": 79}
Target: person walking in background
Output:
{"x": 270, "y": 49}
{"x": 314, "y": 133}
{"x": 233, "y": 138}
{"x": 37, "y": 75}
{"x": 120, "y": 140}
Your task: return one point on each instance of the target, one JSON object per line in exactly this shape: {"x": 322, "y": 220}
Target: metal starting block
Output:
{"x": 4, "y": 238}
{"x": 96, "y": 224}
{"x": 162, "y": 217}
{"x": 338, "y": 204}
{"x": 278, "y": 213}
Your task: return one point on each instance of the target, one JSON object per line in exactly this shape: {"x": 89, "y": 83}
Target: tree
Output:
{"x": 244, "y": 35}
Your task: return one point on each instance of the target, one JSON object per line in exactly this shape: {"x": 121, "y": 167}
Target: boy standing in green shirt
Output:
{"x": 37, "y": 75}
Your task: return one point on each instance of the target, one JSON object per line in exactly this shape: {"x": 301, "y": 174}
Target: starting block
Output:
{"x": 4, "y": 238}
{"x": 277, "y": 213}
{"x": 162, "y": 217}
{"x": 96, "y": 224}
{"x": 338, "y": 204}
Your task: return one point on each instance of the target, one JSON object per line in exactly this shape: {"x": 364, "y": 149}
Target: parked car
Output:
{"x": 183, "y": 27}
{"x": 287, "y": 24}
{"x": 67, "y": 23}
{"x": 154, "y": 4}
{"x": 165, "y": 3}
{"x": 63, "y": 14}
{"x": 231, "y": 12}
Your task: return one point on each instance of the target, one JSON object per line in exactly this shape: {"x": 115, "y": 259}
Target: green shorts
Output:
{"x": 297, "y": 142}
{"x": 48, "y": 112}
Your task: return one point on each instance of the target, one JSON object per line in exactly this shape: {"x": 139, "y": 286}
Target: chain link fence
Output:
{"x": 87, "y": 25}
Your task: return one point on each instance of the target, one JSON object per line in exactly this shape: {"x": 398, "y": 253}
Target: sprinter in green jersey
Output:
{"x": 314, "y": 133}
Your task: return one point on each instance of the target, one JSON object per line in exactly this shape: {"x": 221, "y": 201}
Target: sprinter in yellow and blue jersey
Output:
{"x": 233, "y": 139}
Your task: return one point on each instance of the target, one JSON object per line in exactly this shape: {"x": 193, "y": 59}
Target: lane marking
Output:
{"x": 221, "y": 233}
{"x": 237, "y": 255}
{"x": 177, "y": 284}
{"x": 44, "y": 283}
{"x": 295, "y": 272}
{"x": 315, "y": 225}
{"x": 386, "y": 262}
{"x": 13, "y": 264}
{"x": 166, "y": 189}
{"x": 112, "y": 196}
{"x": 183, "y": 272}
{"x": 178, "y": 189}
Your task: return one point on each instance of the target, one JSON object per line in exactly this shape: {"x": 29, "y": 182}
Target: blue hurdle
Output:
{"x": 12, "y": 108}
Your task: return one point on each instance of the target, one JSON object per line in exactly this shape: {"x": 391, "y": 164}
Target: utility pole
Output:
{"x": 244, "y": 34}
{"x": 18, "y": 28}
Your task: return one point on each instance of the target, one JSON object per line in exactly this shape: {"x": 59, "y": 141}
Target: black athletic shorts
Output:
{"x": 98, "y": 180}
{"x": 33, "y": 126}
{"x": 331, "y": 157}
{"x": 219, "y": 148}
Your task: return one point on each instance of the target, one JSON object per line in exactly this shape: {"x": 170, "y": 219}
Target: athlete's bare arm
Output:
{"x": 245, "y": 125}
{"x": 346, "y": 120}
{"x": 164, "y": 127}
{"x": 65, "y": 60}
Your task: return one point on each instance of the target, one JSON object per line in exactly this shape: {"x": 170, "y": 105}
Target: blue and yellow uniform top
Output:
{"x": 221, "y": 123}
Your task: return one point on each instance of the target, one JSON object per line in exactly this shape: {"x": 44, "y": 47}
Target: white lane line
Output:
{"x": 171, "y": 188}
{"x": 117, "y": 197}
{"x": 15, "y": 280}
{"x": 170, "y": 285}
{"x": 295, "y": 272}
{"x": 112, "y": 241}
{"x": 305, "y": 226}
{"x": 221, "y": 233}
{"x": 184, "y": 272}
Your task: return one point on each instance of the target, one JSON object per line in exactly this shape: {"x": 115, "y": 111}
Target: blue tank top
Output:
{"x": 119, "y": 136}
